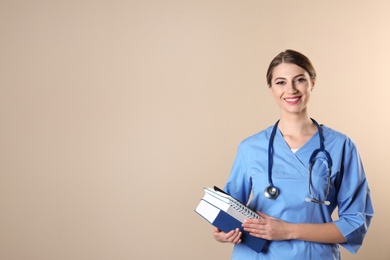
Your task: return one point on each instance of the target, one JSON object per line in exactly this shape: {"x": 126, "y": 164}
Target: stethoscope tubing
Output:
{"x": 272, "y": 192}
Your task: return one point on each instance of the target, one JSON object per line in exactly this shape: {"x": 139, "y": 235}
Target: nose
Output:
{"x": 291, "y": 88}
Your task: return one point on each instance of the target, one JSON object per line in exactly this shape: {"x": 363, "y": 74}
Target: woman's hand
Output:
{"x": 233, "y": 236}
{"x": 267, "y": 228}
{"x": 275, "y": 229}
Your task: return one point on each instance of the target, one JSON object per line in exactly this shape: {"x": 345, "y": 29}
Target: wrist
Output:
{"x": 292, "y": 232}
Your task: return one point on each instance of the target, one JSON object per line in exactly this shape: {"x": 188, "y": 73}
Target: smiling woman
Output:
{"x": 291, "y": 87}
{"x": 115, "y": 113}
{"x": 297, "y": 216}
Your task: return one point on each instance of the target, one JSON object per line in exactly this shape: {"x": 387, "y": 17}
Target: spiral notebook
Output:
{"x": 227, "y": 213}
{"x": 229, "y": 204}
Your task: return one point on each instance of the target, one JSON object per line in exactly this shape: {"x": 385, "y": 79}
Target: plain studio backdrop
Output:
{"x": 115, "y": 114}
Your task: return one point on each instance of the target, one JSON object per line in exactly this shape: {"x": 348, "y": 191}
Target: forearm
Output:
{"x": 275, "y": 229}
{"x": 321, "y": 233}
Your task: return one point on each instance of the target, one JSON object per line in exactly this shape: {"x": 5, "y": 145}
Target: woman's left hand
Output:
{"x": 267, "y": 227}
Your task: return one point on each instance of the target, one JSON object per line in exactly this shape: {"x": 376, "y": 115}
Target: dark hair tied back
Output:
{"x": 293, "y": 57}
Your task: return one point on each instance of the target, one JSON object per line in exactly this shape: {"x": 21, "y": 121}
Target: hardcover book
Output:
{"x": 227, "y": 213}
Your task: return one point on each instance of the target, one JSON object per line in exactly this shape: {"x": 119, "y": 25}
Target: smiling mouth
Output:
{"x": 292, "y": 100}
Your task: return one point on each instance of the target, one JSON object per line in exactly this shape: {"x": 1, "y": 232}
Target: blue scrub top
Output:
{"x": 349, "y": 192}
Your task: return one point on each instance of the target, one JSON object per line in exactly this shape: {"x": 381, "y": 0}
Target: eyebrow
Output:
{"x": 283, "y": 78}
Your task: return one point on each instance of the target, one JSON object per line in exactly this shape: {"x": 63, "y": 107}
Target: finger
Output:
{"x": 219, "y": 235}
{"x": 237, "y": 239}
{"x": 216, "y": 230}
{"x": 256, "y": 234}
{"x": 249, "y": 223}
{"x": 234, "y": 236}
{"x": 265, "y": 216}
{"x": 262, "y": 215}
{"x": 252, "y": 231}
{"x": 231, "y": 235}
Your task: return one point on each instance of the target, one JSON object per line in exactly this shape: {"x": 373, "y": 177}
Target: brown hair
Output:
{"x": 293, "y": 57}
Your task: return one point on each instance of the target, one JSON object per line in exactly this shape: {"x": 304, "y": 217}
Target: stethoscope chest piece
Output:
{"x": 271, "y": 192}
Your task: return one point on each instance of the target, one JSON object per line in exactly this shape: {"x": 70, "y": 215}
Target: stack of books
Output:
{"x": 227, "y": 213}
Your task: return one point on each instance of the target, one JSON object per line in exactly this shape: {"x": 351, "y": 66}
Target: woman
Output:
{"x": 306, "y": 183}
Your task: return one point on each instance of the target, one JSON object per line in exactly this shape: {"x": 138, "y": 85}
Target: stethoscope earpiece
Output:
{"x": 325, "y": 202}
{"x": 271, "y": 192}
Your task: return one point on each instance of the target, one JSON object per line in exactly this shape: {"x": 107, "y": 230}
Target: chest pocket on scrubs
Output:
{"x": 288, "y": 172}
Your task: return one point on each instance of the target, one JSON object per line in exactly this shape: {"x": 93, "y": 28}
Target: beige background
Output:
{"x": 114, "y": 115}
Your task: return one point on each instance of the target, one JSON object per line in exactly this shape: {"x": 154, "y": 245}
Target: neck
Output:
{"x": 296, "y": 125}
{"x": 297, "y": 130}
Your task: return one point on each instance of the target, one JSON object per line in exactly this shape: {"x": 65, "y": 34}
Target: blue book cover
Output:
{"x": 226, "y": 223}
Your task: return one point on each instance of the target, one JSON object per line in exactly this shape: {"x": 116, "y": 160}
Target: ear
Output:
{"x": 313, "y": 82}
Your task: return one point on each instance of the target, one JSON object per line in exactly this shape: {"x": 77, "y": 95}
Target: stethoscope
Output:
{"x": 272, "y": 192}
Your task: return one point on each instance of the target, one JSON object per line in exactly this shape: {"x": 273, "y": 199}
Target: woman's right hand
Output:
{"x": 234, "y": 236}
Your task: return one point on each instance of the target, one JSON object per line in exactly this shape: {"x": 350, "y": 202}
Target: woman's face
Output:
{"x": 291, "y": 86}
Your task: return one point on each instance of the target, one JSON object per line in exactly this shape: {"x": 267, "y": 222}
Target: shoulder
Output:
{"x": 256, "y": 141}
{"x": 337, "y": 138}
{"x": 262, "y": 135}
{"x": 330, "y": 132}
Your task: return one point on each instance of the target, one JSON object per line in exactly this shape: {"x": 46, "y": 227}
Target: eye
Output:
{"x": 300, "y": 80}
{"x": 280, "y": 83}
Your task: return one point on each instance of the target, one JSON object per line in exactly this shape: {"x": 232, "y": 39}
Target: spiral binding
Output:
{"x": 234, "y": 203}
{"x": 247, "y": 212}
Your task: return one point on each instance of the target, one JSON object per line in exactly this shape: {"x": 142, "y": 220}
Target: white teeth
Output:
{"x": 291, "y": 99}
